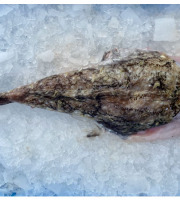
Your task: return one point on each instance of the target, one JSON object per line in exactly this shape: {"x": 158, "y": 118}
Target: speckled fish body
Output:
{"x": 126, "y": 95}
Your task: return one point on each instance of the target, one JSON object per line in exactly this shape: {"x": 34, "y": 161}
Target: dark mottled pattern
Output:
{"x": 126, "y": 95}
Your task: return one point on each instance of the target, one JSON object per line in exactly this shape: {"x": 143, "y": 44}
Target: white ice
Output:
{"x": 47, "y": 153}
{"x": 46, "y": 56}
{"x": 165, "y": 29}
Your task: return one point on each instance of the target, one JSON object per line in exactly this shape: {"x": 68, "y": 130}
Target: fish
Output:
{"x": 126, "y": 95}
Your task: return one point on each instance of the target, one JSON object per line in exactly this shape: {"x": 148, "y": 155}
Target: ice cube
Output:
{"x": 136, "y": 185}
{"x": 1, "y": 180}
{"x": 165, "y": 30}
{"x": 81, "y": 7}
{"x": 5, "y": 56}
{"x": 2, "y": 29}
{"x": 47, "y": 56}
{"x": 130, "y": 16}
{"x": 113, "y": 23}
{"x": 21, "y": 181}
{"x": 5, "y": 9}
{"x": 7, "y": 67}
{"x": 31, "y": 6}
{"x": 170, "y": 184}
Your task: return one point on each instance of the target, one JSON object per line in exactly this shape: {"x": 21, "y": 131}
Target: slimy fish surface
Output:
{"x": 128, "y": 95}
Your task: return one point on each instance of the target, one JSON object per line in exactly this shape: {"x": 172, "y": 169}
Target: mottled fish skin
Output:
{"x": 126, "y": 95}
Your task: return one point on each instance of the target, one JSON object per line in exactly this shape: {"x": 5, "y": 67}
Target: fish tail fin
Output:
{"x": 4, "y": 99}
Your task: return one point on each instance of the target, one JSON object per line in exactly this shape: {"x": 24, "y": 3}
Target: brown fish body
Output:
{"x": 129, "y": 95}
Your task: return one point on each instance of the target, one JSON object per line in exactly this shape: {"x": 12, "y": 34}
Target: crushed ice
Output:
{"x": 47, "y": 153}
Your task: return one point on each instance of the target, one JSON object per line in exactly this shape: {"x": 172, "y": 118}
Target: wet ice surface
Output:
{"x": 47, "y": 153}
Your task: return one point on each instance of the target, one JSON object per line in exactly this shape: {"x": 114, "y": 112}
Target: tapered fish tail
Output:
{"x": 4, "y": 99}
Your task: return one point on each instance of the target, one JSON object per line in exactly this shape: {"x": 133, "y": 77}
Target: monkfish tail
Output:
{"x": 16, "y": 95}
{"x": 4, "y": 99}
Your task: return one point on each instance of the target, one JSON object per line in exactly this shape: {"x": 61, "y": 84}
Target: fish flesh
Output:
{"x": 125, "y": 95}
{"x": 166, "y": 131}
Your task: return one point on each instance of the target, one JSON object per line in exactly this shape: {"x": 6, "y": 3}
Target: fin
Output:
{"x": 94, "y": 133}
{"x": 114, "y": 54}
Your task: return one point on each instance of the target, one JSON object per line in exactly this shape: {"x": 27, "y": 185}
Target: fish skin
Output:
{"x": 126, "y": 95}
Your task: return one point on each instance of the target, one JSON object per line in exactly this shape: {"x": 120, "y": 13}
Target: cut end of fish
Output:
{"x": 167, "y": 131}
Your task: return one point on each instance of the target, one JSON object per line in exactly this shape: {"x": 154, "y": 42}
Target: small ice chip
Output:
{"x": 5, "y": 56}
{"x": 165, "y": 30}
